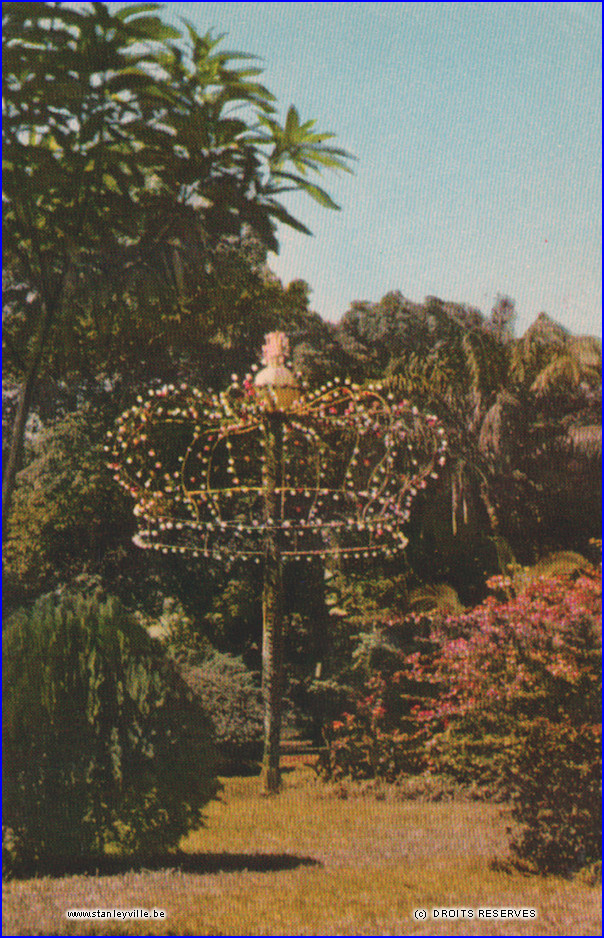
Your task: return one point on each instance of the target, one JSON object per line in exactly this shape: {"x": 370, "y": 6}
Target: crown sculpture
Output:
{"x": 271, "y": 472}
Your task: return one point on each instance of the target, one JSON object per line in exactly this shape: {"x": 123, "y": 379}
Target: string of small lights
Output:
{"x": 353, "y": 459}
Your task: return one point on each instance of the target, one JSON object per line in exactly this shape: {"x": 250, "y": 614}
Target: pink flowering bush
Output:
{"x": 505, "y": 663}
{"x": 507, "y": 697}
{"x": 520, "y": 709}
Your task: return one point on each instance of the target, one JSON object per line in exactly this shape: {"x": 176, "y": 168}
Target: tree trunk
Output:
{"x": 490, "y": 508}
{"x": 272, "y": 607}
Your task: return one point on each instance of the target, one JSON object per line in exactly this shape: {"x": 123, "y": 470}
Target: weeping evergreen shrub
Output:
{"x": 104, "y": 746}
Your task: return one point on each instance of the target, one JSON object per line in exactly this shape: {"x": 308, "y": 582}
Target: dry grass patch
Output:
{"x": 304, "y": 864}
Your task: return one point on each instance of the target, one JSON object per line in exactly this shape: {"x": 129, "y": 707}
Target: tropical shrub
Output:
{"x": 553, "y": 772}
{"x": 362, "y": 745}
{"x": 228, "y": 691}
{"x": 554, "y": 780}
{"x": 104, "y": 746}
{"x": 505, "y": 664}
{"x": 507, "y": 700}
{"x": 67, "y": 516}
{"x": 383, "y": 733}
{"x": 230, "y": 695}
{"x": 520, "y": 709}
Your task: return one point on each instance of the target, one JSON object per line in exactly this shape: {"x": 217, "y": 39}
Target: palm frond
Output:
{"x": 558, "y": 563}
{"x": 435, "y": 597}
{"x": 587, "y": 350}
{"x": 584, "y": 440}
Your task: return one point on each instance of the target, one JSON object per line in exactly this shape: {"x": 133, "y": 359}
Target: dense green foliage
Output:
{"x": 227, "y": 689}
{"x": 379, "y": 735}
{"x": 103, "y": 743}
{"x": 67, "y": 512}
{"x": 555, "y": 782}
{"x": 128, "y": 153}
{"x": 230, "y": 695}
{"x": 143, "y": 170}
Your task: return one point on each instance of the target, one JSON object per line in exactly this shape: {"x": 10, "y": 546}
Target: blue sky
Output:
{"x": 477, "y": 129}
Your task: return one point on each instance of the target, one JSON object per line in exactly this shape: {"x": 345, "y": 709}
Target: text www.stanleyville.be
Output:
{"x": 116, "y": 913}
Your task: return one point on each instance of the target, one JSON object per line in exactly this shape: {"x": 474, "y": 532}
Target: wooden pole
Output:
{"x": 272, "y": 606}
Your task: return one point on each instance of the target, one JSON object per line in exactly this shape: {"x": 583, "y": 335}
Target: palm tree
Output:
{"x": 521, "y": 415}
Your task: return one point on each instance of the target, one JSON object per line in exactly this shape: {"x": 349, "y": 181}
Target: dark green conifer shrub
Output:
{"x": 104, "y": 746}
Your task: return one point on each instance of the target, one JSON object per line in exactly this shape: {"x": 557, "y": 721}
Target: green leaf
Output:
{"x": 314, "y": 191}
{"x": 134, "y": 9}
{"x": 292, "y": 122}
{"x": 110, "y": 183}
{"x": 151, "y": 27}
{"x": 320, "y": 195}
{"x": 42, "y": 11}
{"x": 282, "y": 215}
{"x": 326, "y": 159}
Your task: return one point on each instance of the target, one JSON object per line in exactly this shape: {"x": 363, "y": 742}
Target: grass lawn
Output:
{"x": 305, "y": 863}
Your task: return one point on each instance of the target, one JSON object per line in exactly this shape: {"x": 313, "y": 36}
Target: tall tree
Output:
{"x": 126, "y": 162}
{"x": 523, "y": 420}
